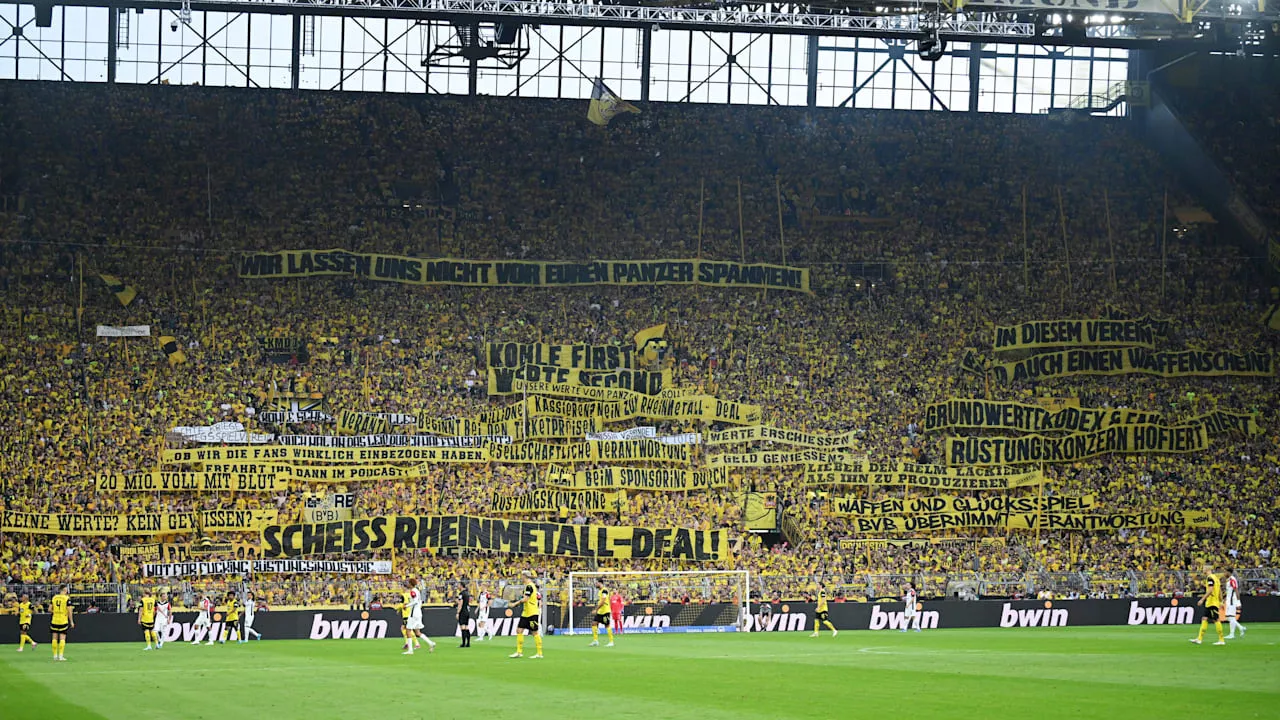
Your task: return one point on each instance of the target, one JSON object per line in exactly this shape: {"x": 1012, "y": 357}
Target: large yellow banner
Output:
{"x": 629, "y": 478}
{"x": 199, "y": 482}
{"x": 615, "y": 404}
{"x": 855, "y": 506}
{"x": 937, "y": 477}
{"x": 779, "y": 459}
{"x": 295, "y": 454}
{"x": 527, "y": 537}
{"x": 1127, "y": 361}
{"x": 451, "y": 271}
{"x": 580, "y": 357}
{"x": 531, "y": 428}
{"x": 590, "y": 451}
{"x": 1029, "y": 521}
{"x": 754, "y": 433}
{"x": 550, "y": 500}
{"x": 429, "y": 422}
{"x": 512, "y": 381}
{"x": 1223, "y": 422}
{"x": 351, "y": 422}
{"x": 1138, "y": 332}
{"x": 993, "y": 415}
{"x": 86, "y": 524}
{"x": 1070, "y": 448}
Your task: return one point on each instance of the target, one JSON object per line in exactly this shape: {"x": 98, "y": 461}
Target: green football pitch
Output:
{"x": 1084, "y": 672}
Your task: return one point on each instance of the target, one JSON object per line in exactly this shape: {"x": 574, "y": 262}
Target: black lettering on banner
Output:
{"x": 1143, "y": 438}
{"x": 435, "y": 532}
{"x": 1126, "y": 361}
{"x": 1137, "y": 332}
{"x": 1019, "y": 417}
{"x": 449, "y": 271}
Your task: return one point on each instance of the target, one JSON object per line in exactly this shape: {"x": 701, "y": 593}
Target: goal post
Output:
{"x": 676, "y": 601}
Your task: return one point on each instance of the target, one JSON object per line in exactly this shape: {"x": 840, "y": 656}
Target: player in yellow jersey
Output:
{"x": 231, "y": 621}
{"x": 24, "y": 623}
{"x": 62, "y": 621}
{"x": 147, "y": 618}
{"x": 529, "y": 615}
{"x": 1212, "y": 602}
{"x": 820, "y": 614}
{"x": 602, "y": 616}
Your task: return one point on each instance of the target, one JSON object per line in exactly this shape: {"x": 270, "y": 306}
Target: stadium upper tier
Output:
{"x": 913, "y": 225}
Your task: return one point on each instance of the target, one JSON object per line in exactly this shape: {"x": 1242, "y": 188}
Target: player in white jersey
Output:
{"x": 482, "y": 614}
{"x": 164, "y": 614}
{"x": 1232, "y": 601}
{"x": 246, "y": 619}
{"x": 413, "y": 620}
{"x": 204, "y": 619}
{"x": 909, "y": 612}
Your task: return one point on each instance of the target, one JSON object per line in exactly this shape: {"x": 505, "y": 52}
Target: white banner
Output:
{"x": 635, "y": 433}
{"x": 681, "y": 439}
{"x": 294, "y": 416}
{"x": 1136, "y": 7}
{"x": 648, "y": 432}
{"x": 255, "y": 567}
{"x": 232, "y": 433}
{"x": 124, "y": 331}
{"x": 362, "y": 441}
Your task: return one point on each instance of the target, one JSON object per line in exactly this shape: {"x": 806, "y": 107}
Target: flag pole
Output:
{"x": 80, "y": 305}
{"x": 742, "y": 237}
{"x": 1026, "y": 251}
{"x": 1111, "y": 242}
{"x": 1164, "y": 242}
{"x": 702, "y": 193}
{"x": 1066, "y": 252}
{"x": 782, "y": 237}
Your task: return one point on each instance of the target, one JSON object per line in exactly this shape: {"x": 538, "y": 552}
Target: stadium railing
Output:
{"x": 106, "y": 597}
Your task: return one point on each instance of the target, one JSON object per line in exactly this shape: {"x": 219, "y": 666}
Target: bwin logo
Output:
{"x": 1139, "y": 615}
{"x": 1035, "y": 617}
{"x": 322, "y": 629}
{"x": 779, "y": 622}
{"x": 881, "y": 620}
{"x": 188, "y": 632}
{"x": 646, "y": 621}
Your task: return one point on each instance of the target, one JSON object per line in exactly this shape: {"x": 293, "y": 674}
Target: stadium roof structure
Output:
{"x": 1133, "y": 24}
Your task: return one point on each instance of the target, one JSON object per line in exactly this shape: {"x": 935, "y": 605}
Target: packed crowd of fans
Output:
{"x": 1236, "y": 119}
{"x": 914, "y": 227}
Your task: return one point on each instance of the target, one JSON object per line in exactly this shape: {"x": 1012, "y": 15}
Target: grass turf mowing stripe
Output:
{"x": 1046, "y": 672}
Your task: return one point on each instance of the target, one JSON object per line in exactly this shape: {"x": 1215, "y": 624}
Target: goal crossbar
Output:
{"x": 675, "y": 601}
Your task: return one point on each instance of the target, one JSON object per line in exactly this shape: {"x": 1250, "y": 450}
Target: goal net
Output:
{"x": 662, "y": 602}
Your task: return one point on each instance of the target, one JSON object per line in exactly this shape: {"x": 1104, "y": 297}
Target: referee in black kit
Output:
{"x": 464, "y": 614}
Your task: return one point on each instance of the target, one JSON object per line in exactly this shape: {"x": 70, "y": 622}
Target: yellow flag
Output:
{"x": 172, "y": 350}
{"x": 124, "y": 293}
{"x": 1272, "y": 318}
{"x": 651, "y": 344}
{"x": 605, "y": 104}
